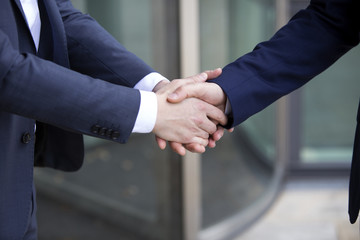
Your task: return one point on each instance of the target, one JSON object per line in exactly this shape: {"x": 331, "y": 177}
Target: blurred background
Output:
{"x": 283, "y": 174}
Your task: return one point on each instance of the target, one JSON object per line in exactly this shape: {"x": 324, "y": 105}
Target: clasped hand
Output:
{"x": 190, "y": 113}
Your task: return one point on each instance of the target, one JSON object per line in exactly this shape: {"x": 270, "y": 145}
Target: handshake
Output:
{"x": 190, "y": 113}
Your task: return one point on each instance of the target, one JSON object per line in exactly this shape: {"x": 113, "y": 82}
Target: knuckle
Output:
{"x": 206, "y": 135}
{"x": 220, "y": 116}
{"x": 198, "y": 120}
{"x": 201, "y": 106}
{"x": 213, "y": 129}
{"x": 187, "y": 138}
{"x": 180, "y": 89}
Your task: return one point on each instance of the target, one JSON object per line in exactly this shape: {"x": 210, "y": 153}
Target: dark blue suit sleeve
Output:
{"x": 42, "y": 90}
{"x": 313, "y": 40}
{"x": 96, "y": 93}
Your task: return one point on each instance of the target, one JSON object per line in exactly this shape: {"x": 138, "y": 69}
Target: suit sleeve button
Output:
{"x": 102, "y": 131}
{"x": 115, "y": 135}
{"x": 95, "y": 129}
{"x": 108, "y": 133}
{"x": 26, "y": 138}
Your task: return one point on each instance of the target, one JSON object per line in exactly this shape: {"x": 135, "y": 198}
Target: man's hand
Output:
{"x": 180, "y": 94}
{"x": 208, "y": 92}
{"x": 190, "y": 121}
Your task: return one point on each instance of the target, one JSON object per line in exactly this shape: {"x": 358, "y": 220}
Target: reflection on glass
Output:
{"x": 239, "y": 170}
{"x": 233, "y": 178}
{"x": 328, "y": 109}
{"x": 127, "y": 176}
{"x": 330, "y": 104}
{"x": 128, "y": 21}
{"x": 129, "y": 185}
{"x": 114, "y": 177}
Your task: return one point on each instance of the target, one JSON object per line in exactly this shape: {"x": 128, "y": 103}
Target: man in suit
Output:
{"x": 52, "y": 58}
{"x": 312, "y": 40}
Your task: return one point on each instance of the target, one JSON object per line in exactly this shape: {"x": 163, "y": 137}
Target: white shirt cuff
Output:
{"x": 146, "y": 118}
{"x": 149, "y": 81}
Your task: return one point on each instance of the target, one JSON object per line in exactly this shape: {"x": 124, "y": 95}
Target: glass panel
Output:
{"x": 330, "y": 104}
{"x": 124, "y": 185}
{"x": 129, "y": 21}
{"x": 124, "y": 188}
{"x": 238, "y": 172}
{"x": 116, "y": 175}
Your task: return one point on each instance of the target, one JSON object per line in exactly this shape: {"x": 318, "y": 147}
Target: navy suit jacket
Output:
{"x": 313, "y": 40}
{"x": 60, "y": 88}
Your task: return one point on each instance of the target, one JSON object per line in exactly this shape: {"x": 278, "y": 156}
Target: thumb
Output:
{"x": 183, "y": 92}
{"x": 193, "y": 89}
{"x": 213, "y": 73}
{"x": 201, "y": 77}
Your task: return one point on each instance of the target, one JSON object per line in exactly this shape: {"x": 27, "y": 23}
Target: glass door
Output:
{"x": 123, "y": 191}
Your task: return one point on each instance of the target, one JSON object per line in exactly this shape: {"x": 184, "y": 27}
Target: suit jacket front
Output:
{"x": 80, "y": 84}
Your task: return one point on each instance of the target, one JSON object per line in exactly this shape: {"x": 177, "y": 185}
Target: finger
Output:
{"x": 198, "y": 140}
{"x": 182, "y": 92}
{"x": 218, "y": 134}
{"x": 216, "y": 137}
{"x": 199, "y": 133}
{"x": 208, "y": 118}
{"x": 213, "y": 73}
{"x": 201, "y": 77}
{"x": 205, "y": 125}
{"x": 212, "y": 143}
{"x": 193, "y": 90}
{"x": 231, "y": 130}
{"x": 186, "y": 91}
{"x": 216, "y": 114}
{"x": 169, "y": 87}
{"x": 161, "y": 142}
{"x": 195, "y": 148}
{"x": 178, "y": 148}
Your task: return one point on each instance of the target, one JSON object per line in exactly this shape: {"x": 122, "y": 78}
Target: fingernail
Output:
{"x": 203, "y": 76}
{"x": 173, "y": 95}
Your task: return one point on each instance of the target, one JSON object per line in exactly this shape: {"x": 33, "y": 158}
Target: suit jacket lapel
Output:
{"x": 18, "y": 3}
{"x": 58, "y": 32}
{"x": 23, "y": 40}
